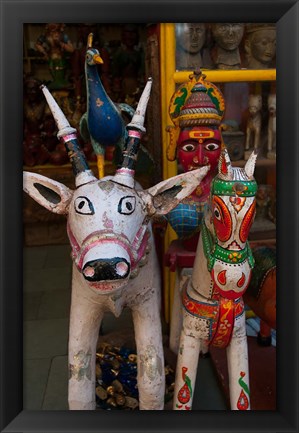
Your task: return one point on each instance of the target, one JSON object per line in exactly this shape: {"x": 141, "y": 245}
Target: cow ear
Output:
{"x": 166, "y": 195}
{"x": 50, "y": 194}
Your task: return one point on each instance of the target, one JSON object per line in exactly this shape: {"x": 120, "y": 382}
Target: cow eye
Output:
{"x": 126, "y": 205}
{"x": 84, "y": 206}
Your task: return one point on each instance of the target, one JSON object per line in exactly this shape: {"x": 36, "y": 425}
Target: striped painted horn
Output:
{"x": 69, "y": 137}
{"x": 125, "y": 174}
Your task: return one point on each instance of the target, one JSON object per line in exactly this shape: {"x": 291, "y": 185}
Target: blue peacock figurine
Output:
{"x": 102, "y": 123}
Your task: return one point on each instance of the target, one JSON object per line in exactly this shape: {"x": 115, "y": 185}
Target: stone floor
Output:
{"x": 47, "y": 290}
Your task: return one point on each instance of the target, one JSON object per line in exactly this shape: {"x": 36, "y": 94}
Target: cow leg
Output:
{"x": 85, "y": 321}
{"x": 176, "y": 315}
{"x": 237, "y": 358}
{"x": 186, "y": 370}
{"x": 150, "y": 360}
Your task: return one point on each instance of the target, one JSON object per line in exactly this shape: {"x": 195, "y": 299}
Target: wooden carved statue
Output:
{"x": 190, "y": 42}
{"x": 102, "y": 123}
{"x": 271, "y": 148}
{"x": 254, "y": 124}
{"x": 212, "y": 301}
{"x": 227, "y": 36}
{"x": 114, "y": 259}
{"x": 260, "y": 45}
{"x": 196, "y": 109}
{"x": 78, "y": 59}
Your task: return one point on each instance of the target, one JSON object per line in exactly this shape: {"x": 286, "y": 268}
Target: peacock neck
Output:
{"x": 94, "y": 86}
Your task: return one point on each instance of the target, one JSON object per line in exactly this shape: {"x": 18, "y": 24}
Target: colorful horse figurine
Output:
{"x": 213, "y": 308}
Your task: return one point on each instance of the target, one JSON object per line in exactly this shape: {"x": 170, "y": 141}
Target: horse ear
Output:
{"x": 250, "y": 164}
{"x": 166, "y": 195}
{"x": 225, "y": 170}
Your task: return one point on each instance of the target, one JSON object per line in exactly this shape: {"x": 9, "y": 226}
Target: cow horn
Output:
{"x": 125, "y": 174}
{"x": 69, "y": 136}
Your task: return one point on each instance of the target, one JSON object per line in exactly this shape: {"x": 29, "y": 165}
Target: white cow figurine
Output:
{"x": 114, "y": 259}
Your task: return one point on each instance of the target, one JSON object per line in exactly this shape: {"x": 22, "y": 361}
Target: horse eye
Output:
{"x": 217, "y": 214}
{"x": 126, "y": 205}
{"x": 83, "y": 206}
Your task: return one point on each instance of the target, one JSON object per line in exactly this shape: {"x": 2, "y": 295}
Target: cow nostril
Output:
{"x": 89, "y": 271}
{"x": 122, "y": 268}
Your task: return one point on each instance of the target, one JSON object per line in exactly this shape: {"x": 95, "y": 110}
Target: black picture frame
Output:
{"x": 13, "y": 15}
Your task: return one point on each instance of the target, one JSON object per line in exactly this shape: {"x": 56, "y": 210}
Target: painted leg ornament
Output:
{"x": 186, "y": 372}
{"x": 237, "y": 357}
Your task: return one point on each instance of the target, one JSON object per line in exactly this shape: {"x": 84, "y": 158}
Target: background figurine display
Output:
{"x": 271, "y": 145}
{"x": 127, "y": 67}
{"x": 190, "y": 42}
{"x": 33, "y": 114}
{"x": 254, "y": 124}
{"x": 261, "y": 293}
{"x": 196, "y": 109}
{"x": 234, "y": 139}
{"x": 54, "y": 44}
{"x": 260, "y": 45}
{"x": 265, "y": 197}
{"x": 213, "y": 312}
{"x": 225, "y": 54}
{"x": 115, "y": 263}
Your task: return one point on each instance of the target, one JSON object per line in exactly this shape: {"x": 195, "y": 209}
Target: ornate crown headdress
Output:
{"x": 195, "y": 103}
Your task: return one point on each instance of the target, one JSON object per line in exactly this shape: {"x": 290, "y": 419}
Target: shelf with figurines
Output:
{"x": 55, "y": 55}
{"x": 241, "y": 57}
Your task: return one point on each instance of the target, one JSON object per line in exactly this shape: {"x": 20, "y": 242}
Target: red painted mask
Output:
{"x": 199, "y": 146}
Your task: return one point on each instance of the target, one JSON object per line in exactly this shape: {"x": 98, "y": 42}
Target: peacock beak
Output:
{"x": 98, "y": 59}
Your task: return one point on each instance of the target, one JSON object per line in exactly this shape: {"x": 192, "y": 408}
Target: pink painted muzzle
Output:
{"x": 105, "y": 256}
